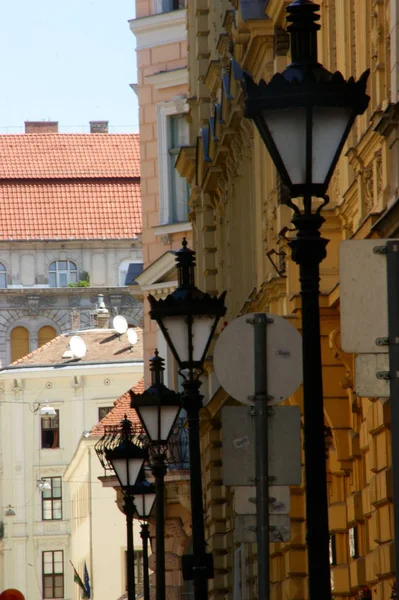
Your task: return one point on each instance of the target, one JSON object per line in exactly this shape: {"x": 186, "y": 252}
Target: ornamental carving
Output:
{"x": 378, "y": 169}
{"x": 368, "y": 181}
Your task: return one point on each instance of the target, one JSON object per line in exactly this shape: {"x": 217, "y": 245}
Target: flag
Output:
{"x": 77, "y": 579}
{"x": 87, "y": 581}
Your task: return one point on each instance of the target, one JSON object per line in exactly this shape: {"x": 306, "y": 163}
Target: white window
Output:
{"x": 62, "y": 273}
{"x": 173, "y": 189}
{"x": 3, "y": 276}
{"x": 161, "y": 6}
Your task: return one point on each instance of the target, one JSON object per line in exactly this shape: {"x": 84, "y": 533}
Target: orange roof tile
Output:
{"x": 94, "y": 209}
{"x": 117, "y": 414}
{"x": 69, "y": 156}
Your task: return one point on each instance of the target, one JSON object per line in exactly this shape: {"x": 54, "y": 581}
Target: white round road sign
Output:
{"x": 234, "y": 359}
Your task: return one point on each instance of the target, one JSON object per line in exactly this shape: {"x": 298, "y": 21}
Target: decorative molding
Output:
{"x": 159, "y": 30}
{"x": 168, "y": 79}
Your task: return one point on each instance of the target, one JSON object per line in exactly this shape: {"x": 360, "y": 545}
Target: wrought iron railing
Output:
{"x": 112, "y": 438}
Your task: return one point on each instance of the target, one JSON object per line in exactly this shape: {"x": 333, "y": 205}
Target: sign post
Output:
{"x": 261, "y": 377}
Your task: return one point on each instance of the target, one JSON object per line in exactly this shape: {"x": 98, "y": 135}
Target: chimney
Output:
{"x": 102, "y": 314}
{"x": 41, "y": 126}
{"x": 75, "y": 320}
{"x": 98, "y": 126}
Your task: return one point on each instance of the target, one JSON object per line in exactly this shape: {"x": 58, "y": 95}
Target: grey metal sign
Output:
{"x": 238, "y": 445}
{"x": 245, "y": 529}
{"x": 245, "y": 500}
{"x": 363, "y": 296}
{"x": 234, "y": 360}
{"x": 370, "y": 381}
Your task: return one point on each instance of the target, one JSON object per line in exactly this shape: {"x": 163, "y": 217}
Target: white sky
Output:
{"x": 69, "y": 61}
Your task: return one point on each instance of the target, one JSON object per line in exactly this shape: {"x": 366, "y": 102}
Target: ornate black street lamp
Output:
{"x": 304, "y": 116}
{"x": 158, "y": 408}
{"x": 127, "y": 459}
{"x": 188, "y": 319}
{"x": 144, "y": 498}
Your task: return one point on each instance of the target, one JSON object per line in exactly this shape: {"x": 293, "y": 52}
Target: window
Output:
{"x": 178, "y": 188}
{"x": 138, "y": 571}
{"x": 50, "y": 431}
{"x": 19, "y": 343}
{"x": 333, "y": 550}
{"x": 161, "y": 6}
{"x": 353, "y": 542}
{"x": 62, "y": 273}
{"x": 53, "y": 574}
{"x": 173, "y": 189}
{"x": 46, "y": 334}
{"x": 52, "y": 499}
{"x": 3, "y": 276}
{"x": 103, "y": 411}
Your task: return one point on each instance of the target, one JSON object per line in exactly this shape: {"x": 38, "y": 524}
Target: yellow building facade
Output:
{"x": 241, "y": 230}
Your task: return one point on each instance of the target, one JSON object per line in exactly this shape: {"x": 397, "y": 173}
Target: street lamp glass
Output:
{"x": 158, "y": 421}
{"x": 307, "y": 141}
{"x": 185, "y": 338}
{"x": 127, "y": 470}
{"x": 144, "y": 504}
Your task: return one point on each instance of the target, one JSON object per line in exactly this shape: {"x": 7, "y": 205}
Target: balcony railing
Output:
{"x": 163, "y": 6}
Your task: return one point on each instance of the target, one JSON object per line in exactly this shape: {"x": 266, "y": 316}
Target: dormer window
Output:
{"x": 62, "y": 273}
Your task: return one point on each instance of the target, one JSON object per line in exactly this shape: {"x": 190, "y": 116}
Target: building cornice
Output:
{"x": 167, "y": 79}
{"x": 159, "y": 30}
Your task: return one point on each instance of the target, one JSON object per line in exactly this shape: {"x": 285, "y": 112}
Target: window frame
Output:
{"x": 103, "y": 408}
{"x": 42, "y": 430}
{"x": 159, "y": 10}
{"x": 164, "y": 111}
{"x": 3, "y": 274}
{"x": 53, "y": 574}
{"x": 50, "y": 500}
{"x": 58, "y": 272}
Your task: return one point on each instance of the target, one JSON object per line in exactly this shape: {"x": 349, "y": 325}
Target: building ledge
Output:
{"x": 160, "y": 29}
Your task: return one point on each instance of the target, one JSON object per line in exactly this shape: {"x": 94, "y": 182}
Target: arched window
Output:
{"x": 46, "y": 334}
{"x": 3, "y": 276}
{"x": 19, "y": 343}
{"x": 62, "y": 273}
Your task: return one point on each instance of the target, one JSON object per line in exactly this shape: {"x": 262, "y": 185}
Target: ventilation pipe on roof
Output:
{"x": 102, "y": 314}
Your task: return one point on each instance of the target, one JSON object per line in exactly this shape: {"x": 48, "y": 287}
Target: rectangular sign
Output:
{"x": 245, "y": 500}
{"x": 367, "y": 384}
{"x": 238, "y": 445}
{"x": 245, "y": 529}
{"x": 363, "y": 295}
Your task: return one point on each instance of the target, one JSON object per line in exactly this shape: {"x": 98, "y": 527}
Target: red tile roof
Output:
{"x": 81, "y": 210}
{"x": 60, "y": 186}
{"x": 69, "y": 156}
{"x": 117, "y": 414}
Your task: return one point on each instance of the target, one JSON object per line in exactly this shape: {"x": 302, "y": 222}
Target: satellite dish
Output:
{"x": 119, "y": 323}
{"x": 132, "y": 336}
{"x": 77, "y": 346}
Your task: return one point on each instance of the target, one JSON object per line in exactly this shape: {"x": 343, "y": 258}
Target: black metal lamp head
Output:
{"x": 158, "y": 406}
{"x": 187, "y": 317}
{"x": 144, "y": 496}
{"x": 127, "y": 458}
{"x": 305, "y": 113}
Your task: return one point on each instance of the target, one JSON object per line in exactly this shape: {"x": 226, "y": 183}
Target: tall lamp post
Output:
{"x": 127, "y": 460}
{"x": 304, "y": 116}
{"x": 188, "y": 319}
{"x": 144, "y": 498}
{"x": 158, "y": 408}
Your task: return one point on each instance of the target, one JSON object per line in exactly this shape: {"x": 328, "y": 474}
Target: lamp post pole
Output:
{"x": 308, "y": 250}
{"x": 129, "y": 509}
{"x": 192, "y": 402}
{"x": 144, "y": 534}
{"x": 158, "y": 468}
